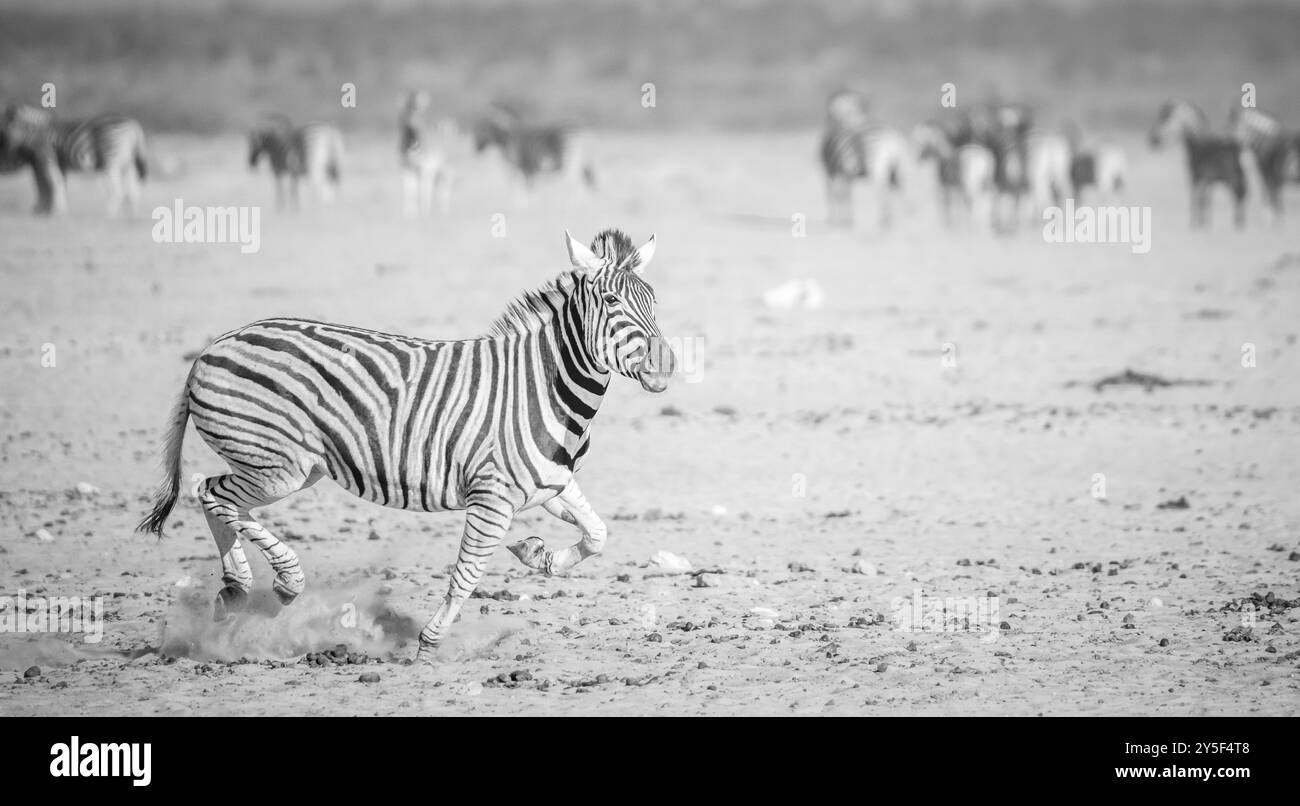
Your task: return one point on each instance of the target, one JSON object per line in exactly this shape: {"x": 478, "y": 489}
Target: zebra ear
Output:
{"x": 580, "y": 256}
{"x": 643, "y": 256}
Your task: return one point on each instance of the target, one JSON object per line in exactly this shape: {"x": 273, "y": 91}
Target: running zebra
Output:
{"x": 1276, "y": 151}
{"x": 533, "y": 149}
{"x": 493, "y": 425}
{"x": 313, "y": 151}
{"x": 425, "y": 169}
{"x": 112, "y": 145}
{"x": 1211, "y": 158}
{"x": 965, "y": 171}
{"x": 853, "y": 147}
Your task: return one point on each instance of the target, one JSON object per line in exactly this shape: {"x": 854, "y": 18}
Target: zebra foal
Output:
{"x": 492, "y": 426}
{"x": 1275, "y": 150}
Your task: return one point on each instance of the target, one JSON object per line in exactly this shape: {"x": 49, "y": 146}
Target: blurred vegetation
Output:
{"x": 741, "y": 64}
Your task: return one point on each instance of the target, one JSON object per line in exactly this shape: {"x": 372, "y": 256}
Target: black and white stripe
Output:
{"x": 112, "y": 145}
{"x": 313, "y": 151}
{"x": 1212, "y": 158}
{"x": 964, "y": 171}
{"x": 1274, "y": 149}
{"x": 423, "y": 148}
{"x": 532, "y": 149}
{"x": 855, "y": 147}
{"x": 492, "y": 425}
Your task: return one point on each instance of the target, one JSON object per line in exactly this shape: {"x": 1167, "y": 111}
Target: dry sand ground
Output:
{"x": 959, "y": 481}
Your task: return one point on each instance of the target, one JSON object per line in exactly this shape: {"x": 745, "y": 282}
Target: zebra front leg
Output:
{"x": 487, "y": 519}
{"x": 569, "y": 506}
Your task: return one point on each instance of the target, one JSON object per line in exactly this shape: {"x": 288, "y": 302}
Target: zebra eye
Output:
{"x": 611, "y": 299}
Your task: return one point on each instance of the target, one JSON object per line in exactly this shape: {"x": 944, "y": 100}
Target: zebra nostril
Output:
{"x": 660, "y": 357}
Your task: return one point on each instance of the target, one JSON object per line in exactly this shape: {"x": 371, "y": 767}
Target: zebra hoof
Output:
{"x": 531, "y": 551}
{"x": 425, "y": 655}
{"x": 286, "y": 592}
{"x": 230, "y": 600}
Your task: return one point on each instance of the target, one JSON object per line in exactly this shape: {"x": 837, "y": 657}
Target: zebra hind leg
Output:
{"x": 227, "y": 499}
{"x": 487, "y": 519}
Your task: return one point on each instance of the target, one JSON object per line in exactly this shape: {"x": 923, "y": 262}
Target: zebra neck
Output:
{"x": 572, "y": 380}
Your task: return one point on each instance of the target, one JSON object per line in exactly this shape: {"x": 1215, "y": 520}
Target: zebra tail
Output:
{"x": 165, "y": 496}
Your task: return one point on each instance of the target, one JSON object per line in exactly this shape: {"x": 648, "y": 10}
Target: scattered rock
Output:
{"x": 85, "y": 489}
{"x": 865, "y": 568}
{"x": 670, "y": 563}
{"x": 1178, "y": 503}
{"x": 369, "y": 677}
{"x": 32, "y": 672}
{"x": 44, "y": 535}
{"x": 1240, "y": 633}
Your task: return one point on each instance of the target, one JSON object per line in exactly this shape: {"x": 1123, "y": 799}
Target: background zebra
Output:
{"x": 112, "y": 145}
{"x": 1212, "y": 158}
{"x": 426, "y": 173}
{"x": 965, "y": 171}
{"x": 854, "y": 147}
{"x": 43, "y": 164}
{"x": 1274, "y": 149}
{"x": 533, "y": 149}
{"x": 313, "y": 151}
{"x": 1102, "y": 167}
{"x": 492, "y": 425}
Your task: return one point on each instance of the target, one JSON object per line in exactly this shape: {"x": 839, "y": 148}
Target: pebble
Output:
{"x": 32, "y": 671}
{"x": 44, "y": 536}
{"x": 764, "y": 612}
{"x": 369, "y": 677}
{"x": 864, "y": 567}
{"x": 1164, "y": 642}
{"x": 667, "y": 561}
{"x": 86, "y": 490}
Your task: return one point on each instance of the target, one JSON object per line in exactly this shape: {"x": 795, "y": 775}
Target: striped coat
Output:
{"x": 533, "y": 149}
{"x": 854, "y": 147}
{"x": 426, "y": 171}
{"x": 491, "y": 425}
{"x": 311, "y": 152}
{"x": 1212, "y": 158}
{"x": 112, "y": 145}
{"x": 964, "y": 171}
{"x": 1275, "y": 150}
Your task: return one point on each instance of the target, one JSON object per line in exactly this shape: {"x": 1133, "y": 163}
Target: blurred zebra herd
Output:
{"x": 994, "y": 164}
{"x": 1001, "y": 166}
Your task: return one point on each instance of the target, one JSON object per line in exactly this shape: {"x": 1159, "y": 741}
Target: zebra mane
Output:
{"x": 533, "y": 309}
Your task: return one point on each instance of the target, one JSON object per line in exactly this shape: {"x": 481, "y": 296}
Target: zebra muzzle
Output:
{"x": 657, "y": 366}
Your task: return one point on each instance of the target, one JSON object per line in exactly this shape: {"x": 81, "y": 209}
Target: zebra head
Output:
{"x": 1174, "y": 119}
{"x": 24, "y": 129}
{"x": 617, "y": 306}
